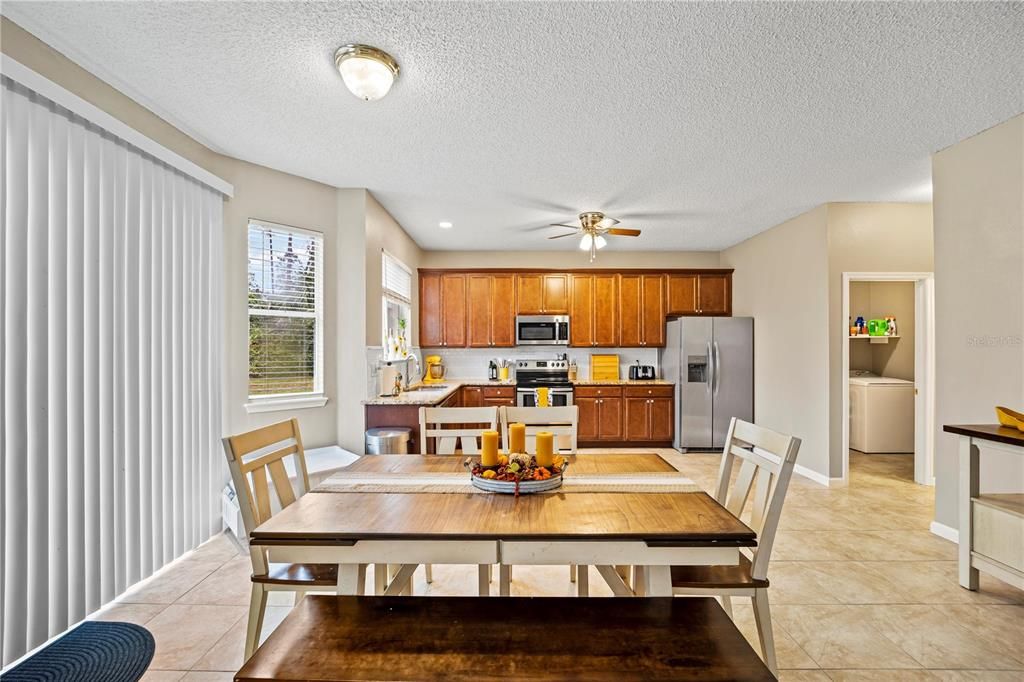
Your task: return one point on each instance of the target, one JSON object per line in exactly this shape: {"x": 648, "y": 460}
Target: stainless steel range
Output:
{"x": 552, "y": 374}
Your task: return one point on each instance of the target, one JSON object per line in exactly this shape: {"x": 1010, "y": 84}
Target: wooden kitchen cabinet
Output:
{"x": 594, "y": 311}
{"x": 682, "y": 294}
{"x": 700, "y": 294}
{"x": 600, "y": 413}
{"x": 487, "y": 396}
{"x": 649, "y": 413}
{"x": 491, "y": 310}
{"x": 442, "y": 310}
{"x": 472, "y": 396}
{"x": 453, "y": 309}
{"x": 477, "y": 308}
{"x": 641, "y": 310}
{"x": 714, "y": 295}
{"x": 542, "y": 294}
{"x": 498, "y": 396}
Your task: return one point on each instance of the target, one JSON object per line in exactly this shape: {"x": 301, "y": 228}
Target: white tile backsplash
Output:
{"x": 471, "y": 363}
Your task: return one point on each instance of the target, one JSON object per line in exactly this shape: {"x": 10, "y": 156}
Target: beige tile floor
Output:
{"x": 861, "y": 590}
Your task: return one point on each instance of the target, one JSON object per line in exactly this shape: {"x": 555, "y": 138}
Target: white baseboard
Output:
{"x": 821, "y": 479}
{"x": 945, "y": 532}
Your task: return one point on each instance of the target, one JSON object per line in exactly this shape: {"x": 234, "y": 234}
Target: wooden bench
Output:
{"x": 535, "y": 638}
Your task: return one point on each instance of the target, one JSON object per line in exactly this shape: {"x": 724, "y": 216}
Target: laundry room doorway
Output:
{"x": 889, "y": 374}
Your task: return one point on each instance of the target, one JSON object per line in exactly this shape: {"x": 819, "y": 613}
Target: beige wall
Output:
{"x": 569, "y": 259}
{"x": 352, "y": 222}
{"x": 979, "y": 281}
{"x": 869, "y": 237}
{"x": 781, "y": 280}
{"x": 880, "y": 300}
{"x": 383, "y": 233}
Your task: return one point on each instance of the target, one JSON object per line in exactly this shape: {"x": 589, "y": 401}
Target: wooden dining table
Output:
{"x": 651, "y": 531}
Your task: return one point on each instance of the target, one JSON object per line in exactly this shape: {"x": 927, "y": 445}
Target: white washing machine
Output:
{"x": 881, "y": 414}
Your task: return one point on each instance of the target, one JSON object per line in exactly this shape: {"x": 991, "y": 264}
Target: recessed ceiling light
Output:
{"x": 367, "y": 71}
{"x": 444, "y": 224}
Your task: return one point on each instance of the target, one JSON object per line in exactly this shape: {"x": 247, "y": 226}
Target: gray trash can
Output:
{"x": 388, "y": 440}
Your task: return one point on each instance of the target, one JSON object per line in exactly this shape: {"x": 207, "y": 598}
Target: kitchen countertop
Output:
{"x": 428, "y": 397}
{"x": 622, "y": 382}
{"x": 425, "y": 395}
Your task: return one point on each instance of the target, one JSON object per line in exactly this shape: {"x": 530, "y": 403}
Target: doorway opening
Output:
{"x": 889, "y": 377}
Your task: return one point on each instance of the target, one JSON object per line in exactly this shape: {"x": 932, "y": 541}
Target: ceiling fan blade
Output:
{"x": 567, "y": 234}
{"x": 622, "y": 232}
{"x": 571, "y": 227}
{"x": 607, "y": 222}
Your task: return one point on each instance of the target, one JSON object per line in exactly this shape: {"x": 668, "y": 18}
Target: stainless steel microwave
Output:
{"x": 542, "y": 330}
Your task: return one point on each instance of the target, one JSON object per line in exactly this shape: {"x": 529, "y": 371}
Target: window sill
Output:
{"x": 281, "y": 404}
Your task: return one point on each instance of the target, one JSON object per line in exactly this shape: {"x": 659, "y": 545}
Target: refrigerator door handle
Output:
{"x": 711, "y": 369}
{"x": 718, "y": 368}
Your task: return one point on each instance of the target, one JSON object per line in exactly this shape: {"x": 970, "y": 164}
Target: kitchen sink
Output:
{"x": 428, "y": 387}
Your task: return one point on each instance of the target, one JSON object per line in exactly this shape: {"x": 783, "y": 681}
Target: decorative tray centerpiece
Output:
{"x": 517, "y": 474}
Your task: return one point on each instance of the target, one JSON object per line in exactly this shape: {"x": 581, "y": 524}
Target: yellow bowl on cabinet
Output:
{"x": 1008, "y": 417}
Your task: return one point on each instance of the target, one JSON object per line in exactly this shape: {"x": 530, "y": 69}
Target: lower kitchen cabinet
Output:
{"x": 625, "y": 415}
{"x": 600, "y": 413}
{"x": 488, "y": 396}
{"x": 649, "y": 413}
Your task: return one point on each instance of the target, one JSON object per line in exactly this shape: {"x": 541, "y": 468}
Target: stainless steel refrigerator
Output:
{"x": 711, "y": 361}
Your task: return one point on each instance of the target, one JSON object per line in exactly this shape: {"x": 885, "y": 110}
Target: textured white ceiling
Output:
{"x": 725, "y": 118}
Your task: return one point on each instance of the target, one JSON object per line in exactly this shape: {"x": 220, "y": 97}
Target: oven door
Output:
{"x": 560, "y": 396}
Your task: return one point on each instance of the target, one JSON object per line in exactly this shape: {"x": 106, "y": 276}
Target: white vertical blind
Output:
{"x": 110, "y": 346}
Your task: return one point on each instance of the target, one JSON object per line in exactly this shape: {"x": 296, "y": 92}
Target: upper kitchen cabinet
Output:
{"x": 491, "y": 305}
{"x": 542, "y": 294}
{"x": 594, "y": 311}
{"x": 642, "y": 310}
{"x": 714, "y": 294}
{"x": 682, "y": 294}
{"x": 700, "y": 294}
{"x": 442, "y": 309}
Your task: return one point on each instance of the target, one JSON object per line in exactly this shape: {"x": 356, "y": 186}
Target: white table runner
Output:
{"x": 373, "y": 482}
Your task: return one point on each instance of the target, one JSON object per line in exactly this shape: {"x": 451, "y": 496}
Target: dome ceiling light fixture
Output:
{"x": 368, "y": 72}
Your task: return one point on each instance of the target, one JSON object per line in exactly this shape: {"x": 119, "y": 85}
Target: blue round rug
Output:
{"x": 94, "y": 651}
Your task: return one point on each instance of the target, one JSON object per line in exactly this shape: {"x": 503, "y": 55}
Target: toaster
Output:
{"x": 641, "y": 372}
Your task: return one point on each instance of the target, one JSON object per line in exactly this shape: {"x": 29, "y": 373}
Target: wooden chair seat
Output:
{"x": 718, "y": 577}
{"x": 300, "y": 574}
{"x": 330, "y": 638}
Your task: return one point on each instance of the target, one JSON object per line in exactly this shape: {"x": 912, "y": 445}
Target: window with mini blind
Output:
{"x": 285, "y": 312}
{"x": 397, "y": 300}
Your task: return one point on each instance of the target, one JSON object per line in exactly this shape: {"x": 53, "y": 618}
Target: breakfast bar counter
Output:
{"x": 991, "y": 525}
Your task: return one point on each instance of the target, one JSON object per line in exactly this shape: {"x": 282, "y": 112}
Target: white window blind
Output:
{"x": 396, "y": 303}
{"x": 397, "y": 279}
{"x": 285, "y": 311}
{"x": 110, "y": 347}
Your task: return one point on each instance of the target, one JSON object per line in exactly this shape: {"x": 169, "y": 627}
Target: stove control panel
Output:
{"x": 543, "y": 364}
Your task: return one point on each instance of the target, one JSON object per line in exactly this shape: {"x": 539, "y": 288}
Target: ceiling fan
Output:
{"x": 594, "y": 225}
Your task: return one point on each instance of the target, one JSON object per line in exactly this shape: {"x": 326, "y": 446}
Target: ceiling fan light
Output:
{"x": 586, "y": 242}
{"x": 600, "y": 242}
{"x": 368, "y": 72}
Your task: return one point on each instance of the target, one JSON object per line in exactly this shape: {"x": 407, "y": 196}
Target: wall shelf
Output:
{"x": 874, "y": 339}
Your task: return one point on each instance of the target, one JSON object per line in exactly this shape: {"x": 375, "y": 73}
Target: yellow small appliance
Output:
{"x": 433, "y": 371}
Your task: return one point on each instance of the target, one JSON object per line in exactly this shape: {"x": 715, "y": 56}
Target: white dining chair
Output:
{"x": 451, "y": 430}
{"x": 767, "y": 459}
{"x": 563, "y": 422}
{"x": 256, "y": 460}
{"x": 455, "y": 429}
